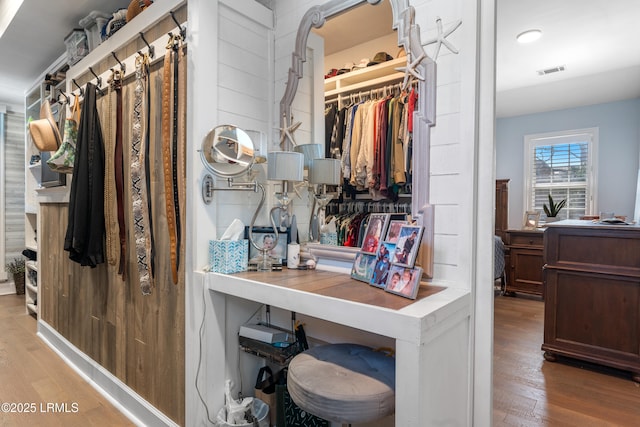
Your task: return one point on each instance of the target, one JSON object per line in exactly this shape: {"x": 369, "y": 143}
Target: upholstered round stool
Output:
{"x": 343, "y": 383}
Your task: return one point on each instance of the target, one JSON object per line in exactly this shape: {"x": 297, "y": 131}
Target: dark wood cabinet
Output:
{"x": 592, "y": 294}
{"x": 524, "y": 261}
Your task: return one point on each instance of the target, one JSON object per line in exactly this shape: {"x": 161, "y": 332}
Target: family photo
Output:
{"x": 407, "y": 246}
{"x": 404, "y": 281}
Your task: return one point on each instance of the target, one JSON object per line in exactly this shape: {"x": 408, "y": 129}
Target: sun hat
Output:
{"x": 362, "y": 64}
{"x": 44, "y": 131}
{"x": 136, "y": 7}
{"x": 380, "y": 57}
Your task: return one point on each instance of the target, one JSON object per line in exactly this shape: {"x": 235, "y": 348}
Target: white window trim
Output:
{"x": 592, "y": 178}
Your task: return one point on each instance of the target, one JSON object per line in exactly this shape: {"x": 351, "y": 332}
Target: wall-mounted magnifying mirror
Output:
{"x": 227, "y": 151}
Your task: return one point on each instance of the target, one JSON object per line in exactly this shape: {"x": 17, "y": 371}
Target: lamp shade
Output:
{"x": 285, "y": 166}
{"x": 324, "y": 171}
{"x": 310, "y": 151}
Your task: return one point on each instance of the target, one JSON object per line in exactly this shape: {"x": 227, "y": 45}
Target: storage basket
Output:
{"x": 77, "y": 46}
{"x": 18, "y": 279}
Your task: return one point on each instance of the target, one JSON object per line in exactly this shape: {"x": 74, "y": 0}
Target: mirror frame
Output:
{"x": 423, "y": 119}
{"x": 229, "y": 167}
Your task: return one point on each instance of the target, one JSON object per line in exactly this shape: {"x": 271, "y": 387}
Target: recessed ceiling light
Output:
{"x": 529, "y": 36}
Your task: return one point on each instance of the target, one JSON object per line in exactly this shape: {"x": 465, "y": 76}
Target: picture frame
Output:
{"x": 261, "y": 233}
{"x": 363, "y": 265}
{"x": 375, "y": 233}
{"x": 382, "y": 265}
{"x": 404, "y": 281}
{"x": 531, "y": 220}
{"x": 407, "y": 246}
{"x": 393, "y": 230}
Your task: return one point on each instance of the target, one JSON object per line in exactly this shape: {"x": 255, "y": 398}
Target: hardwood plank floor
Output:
{"x": 529, "y": 391}
{"x": 34, "y": 376}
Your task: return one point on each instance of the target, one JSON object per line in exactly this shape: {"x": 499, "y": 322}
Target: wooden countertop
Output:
{"x": 337, "y": 285}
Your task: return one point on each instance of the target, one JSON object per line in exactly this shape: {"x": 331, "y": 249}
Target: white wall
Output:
{"x": 618, "y": 151}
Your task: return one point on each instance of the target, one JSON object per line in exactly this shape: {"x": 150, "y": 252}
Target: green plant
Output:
{"x": 15, "y": 267}
{"x": 554, "y": 208}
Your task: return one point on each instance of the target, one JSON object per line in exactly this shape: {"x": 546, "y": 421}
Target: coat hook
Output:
{"x": 98, "y": 79}
{"x": 183, "y": 31}
{"x": 64, "y": 95}
{"x": 123, "y": 67}
{"x": 78, "y": 86}
{"x": 151, "y": 48}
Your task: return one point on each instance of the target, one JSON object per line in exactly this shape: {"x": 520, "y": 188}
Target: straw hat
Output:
{"x": 44, "y": 132}
{"x": 136, "y": 7}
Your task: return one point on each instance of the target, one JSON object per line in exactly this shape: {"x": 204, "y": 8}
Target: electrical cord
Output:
{"x": 200, "y": 333}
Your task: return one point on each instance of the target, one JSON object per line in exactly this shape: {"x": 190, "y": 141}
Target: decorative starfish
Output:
{"x": 410, "y": 71}
{"x": 441, "y": 38}
{"x": 287, "y": 132}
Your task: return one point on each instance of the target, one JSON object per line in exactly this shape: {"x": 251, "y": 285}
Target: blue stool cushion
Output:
{"x": 344, "y": 383}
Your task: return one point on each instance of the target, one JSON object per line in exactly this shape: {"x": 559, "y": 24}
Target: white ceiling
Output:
{"x": 598, "y": 41}
{"x": 34, "y": 39}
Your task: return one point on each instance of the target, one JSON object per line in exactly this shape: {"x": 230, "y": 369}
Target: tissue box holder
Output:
{"x": 228, "y": 256}
{"x": 329, "y": 238}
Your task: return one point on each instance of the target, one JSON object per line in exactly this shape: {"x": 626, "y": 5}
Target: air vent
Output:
{"x": 551, "y": 70}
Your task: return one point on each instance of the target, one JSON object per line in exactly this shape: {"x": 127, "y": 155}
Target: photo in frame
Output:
{"x": 531, "y": 220}
{"x": 383, "y": 262}
{"x": 404, "y": 281}
{"x": 393, "y": 231}
{"x": 375, "y": 233}
{"x": 266, "y": 235}
{"x": 363, "y": 265}
{"x": 408, "y": 244}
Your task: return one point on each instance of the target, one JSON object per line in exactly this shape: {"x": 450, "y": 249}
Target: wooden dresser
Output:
{"x": 524, "y": 261}
{"x": 592, "y": 294}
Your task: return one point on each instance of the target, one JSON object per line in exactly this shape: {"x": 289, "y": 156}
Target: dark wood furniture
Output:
{"x": 524, "y": 261}
{"x": 502, "y": 208}
{"x": 592, "y": 294}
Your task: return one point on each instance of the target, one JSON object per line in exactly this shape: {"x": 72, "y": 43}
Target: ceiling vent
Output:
{"x": 550, "y": 70}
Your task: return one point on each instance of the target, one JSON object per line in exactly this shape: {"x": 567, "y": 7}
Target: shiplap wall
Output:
{"x": 14, "y": 185}
{"x": 244, "y": 70}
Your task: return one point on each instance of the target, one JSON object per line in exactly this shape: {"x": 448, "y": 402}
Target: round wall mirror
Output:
{"x": 227, "y": 151}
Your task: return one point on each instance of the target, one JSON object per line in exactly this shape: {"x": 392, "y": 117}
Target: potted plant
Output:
{"x": 553, "y": 209}
{"x": 17, "y": 268}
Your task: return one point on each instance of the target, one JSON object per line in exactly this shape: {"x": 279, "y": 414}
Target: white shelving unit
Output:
{"x": 32, "y": 182}
{"x": 365, "y": 79}
{"x": 31, "y": 287}
{"x": 38, "y": 94}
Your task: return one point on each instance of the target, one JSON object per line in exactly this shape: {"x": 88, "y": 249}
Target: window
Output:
{"x": 561, "y": 164}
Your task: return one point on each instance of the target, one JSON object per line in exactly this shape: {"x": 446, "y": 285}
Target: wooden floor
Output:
{"x": 34, "y": 378}
{"x": 529, "y": 391}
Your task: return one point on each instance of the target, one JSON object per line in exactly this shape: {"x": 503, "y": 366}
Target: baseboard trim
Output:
{"x": 7, "y": 288}
{"x": 127, "y": 401}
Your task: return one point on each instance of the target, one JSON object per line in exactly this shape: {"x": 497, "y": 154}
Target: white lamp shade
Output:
{"x": 324, "y": 171}
{"x": 310, "y": 151}
{"x": 285, "y": 166}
